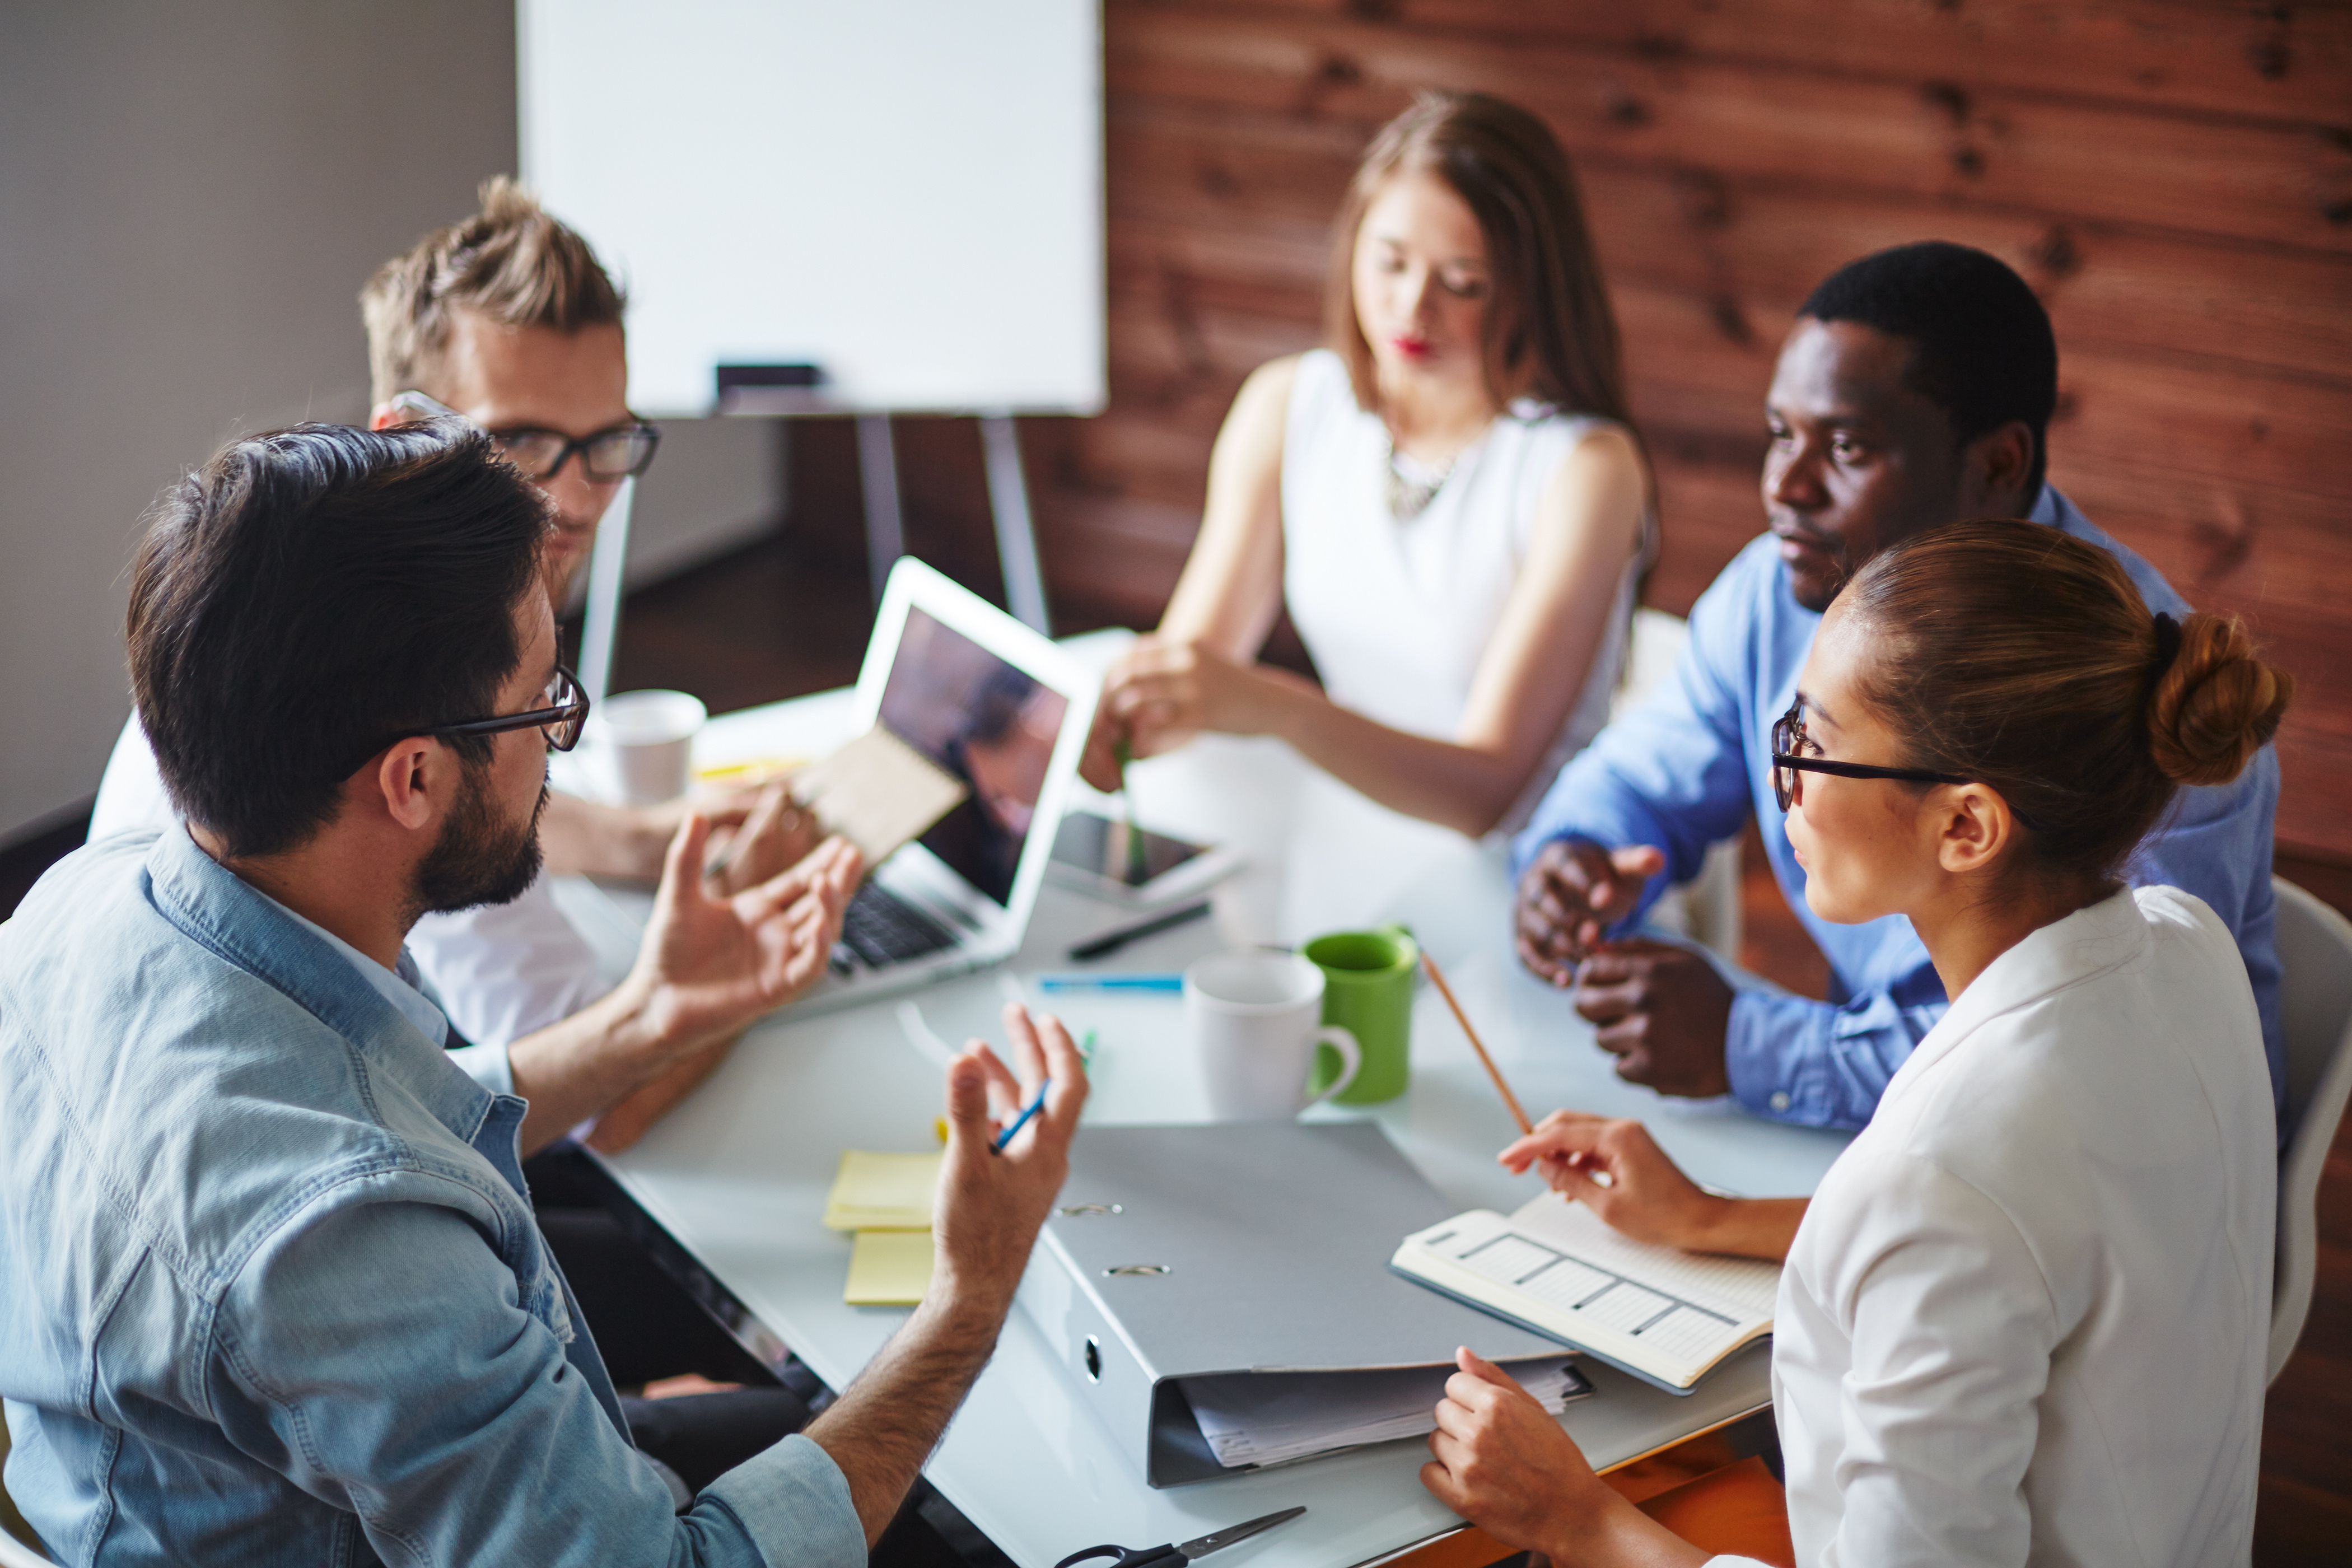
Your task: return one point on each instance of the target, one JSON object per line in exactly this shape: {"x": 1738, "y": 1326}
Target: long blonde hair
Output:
{"x": 1549, "y": 326}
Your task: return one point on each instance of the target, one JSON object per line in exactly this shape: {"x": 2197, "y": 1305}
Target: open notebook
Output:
{"x": 1664, "y": 1315}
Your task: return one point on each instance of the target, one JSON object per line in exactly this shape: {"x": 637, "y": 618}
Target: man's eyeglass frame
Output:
{"x": 562, "y": 723}
{"x": 1788, "y": 733}
{"x": 419, "y": 405}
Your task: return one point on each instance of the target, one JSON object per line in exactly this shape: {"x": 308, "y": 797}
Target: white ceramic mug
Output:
{"x": 1256, "y": 1019}
{"x": 648, "y": 740}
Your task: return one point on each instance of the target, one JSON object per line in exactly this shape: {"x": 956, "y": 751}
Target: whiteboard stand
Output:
{"x": 877, "y": 473}
{"x": 601, "y": 625}
{"x": 1008, "y": 501}
{"x": 1016, "y": 540}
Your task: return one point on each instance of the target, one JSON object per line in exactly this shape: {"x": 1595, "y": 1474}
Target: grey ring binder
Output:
{"x": 1269, "y": 1247}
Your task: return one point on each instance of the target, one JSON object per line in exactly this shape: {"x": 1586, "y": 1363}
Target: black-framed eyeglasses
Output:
{"x": 616, "y": 452}
{"x": 1789, "y": 733}
{"x": 608, "y": 455}
{"x": 562, "y": 714}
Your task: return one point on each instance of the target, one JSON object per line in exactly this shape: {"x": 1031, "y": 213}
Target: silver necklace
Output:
{"x": 1408, "y": 497}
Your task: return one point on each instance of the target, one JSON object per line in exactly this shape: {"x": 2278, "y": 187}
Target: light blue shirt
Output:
{"x": 270, "y": 1288}
{"x": 1685, "y": 766}
{"x": 403, "y": 987}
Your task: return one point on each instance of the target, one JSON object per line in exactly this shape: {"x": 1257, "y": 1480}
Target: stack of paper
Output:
{"x": 887, "y": 1200}
{"x": 889, "y": 1269}
{"x": 1268, "y": 1418}
{"x": 882, "y": 1192}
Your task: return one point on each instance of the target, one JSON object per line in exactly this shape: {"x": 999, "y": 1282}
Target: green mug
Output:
{"x": 1368, "y": 991}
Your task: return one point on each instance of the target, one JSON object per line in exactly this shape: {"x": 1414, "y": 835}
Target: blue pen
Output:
{"x": 1035, "y": 1106}
{"x": 1110, "y": 983}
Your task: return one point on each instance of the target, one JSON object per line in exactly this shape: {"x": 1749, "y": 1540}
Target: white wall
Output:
{"x": 190, "y": 197}
{"x": 715, "y": 485}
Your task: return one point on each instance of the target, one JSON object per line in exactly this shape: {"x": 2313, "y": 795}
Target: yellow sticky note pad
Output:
{"x": 757, "y": 770}
{"x": 889, "y": 1269}
{"x": 882, "y": 1192}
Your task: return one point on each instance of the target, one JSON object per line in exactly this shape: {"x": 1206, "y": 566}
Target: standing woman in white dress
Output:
{"x": 1449, "y": 499}
{"x": 2025, "y": 1319}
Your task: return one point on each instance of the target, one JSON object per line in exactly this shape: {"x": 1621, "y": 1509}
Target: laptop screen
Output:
{"x": 991, "y": 725}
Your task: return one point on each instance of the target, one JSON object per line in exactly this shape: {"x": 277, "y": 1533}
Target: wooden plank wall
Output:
{"x": 2175, "y": 178}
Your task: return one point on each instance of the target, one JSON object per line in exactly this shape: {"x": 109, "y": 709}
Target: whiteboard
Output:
{"x": 906, "y": 193}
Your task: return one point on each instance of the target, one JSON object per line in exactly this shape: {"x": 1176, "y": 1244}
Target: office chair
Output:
{"x": 2314, "y": 946}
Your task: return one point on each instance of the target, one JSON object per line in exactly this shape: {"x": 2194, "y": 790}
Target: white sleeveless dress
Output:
{"x": 1397, "y": 613}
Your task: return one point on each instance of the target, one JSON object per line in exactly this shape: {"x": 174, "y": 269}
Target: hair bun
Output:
{"x": 2216, "y": 705}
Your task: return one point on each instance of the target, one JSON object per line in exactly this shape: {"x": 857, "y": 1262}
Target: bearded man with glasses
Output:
{"x": 272, "y": 1288}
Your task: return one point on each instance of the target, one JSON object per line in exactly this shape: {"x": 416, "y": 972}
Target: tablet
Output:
{"x": 1093, "y": 854}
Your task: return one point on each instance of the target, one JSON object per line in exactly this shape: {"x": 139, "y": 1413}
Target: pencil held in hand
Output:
{"x": 1138, "y": 868}
{"x": 1437, "y": 975}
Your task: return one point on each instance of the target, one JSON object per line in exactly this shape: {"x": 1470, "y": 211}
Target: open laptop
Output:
{"x": 1005, "y": 711}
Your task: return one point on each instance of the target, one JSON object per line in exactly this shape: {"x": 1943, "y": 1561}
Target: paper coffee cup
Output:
{"x": 648, "y": 737}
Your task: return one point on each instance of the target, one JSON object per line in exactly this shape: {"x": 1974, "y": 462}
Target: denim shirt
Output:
{"x": 271, "y": 1291}
{"x": 1687, "y": 765}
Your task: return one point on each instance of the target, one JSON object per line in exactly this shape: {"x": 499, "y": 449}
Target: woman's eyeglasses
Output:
{"x": 562, "y": 714}
{"x": 1789, "y": 734}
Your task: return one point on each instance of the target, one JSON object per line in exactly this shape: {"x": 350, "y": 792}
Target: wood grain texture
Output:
{"x": 1917, "y": 134}
{"x": 2175, "y": 179}
{"x": 2261, "y": 61}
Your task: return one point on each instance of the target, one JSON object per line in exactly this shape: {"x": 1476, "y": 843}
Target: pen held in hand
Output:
{"x": 1022, "y": 1119}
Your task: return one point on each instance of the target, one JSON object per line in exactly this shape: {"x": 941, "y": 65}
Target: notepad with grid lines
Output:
{"x": 1664, "y": 1315}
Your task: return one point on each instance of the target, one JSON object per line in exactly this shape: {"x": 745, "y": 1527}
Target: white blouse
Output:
{"x": 2026, "y": 1318}
{"x": 1397, "y": 613}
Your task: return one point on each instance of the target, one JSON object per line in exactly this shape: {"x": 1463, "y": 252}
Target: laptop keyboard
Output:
{"x": 882, "y": 929}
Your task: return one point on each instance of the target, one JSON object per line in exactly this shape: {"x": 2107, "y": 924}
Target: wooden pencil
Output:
{"x": 1518, "y": 1114}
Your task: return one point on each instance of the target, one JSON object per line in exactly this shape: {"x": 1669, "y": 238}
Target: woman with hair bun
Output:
{"x": 2026, "y": 1315}
{"x": 1449, "y": 499}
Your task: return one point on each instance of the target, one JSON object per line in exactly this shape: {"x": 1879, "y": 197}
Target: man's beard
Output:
{"x": 478, "y": 859}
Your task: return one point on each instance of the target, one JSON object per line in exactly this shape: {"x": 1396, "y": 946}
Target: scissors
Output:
{"x": 1175, "y": 1556}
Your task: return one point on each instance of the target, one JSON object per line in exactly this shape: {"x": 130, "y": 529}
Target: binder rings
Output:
{"x": 1178, "y": 1252}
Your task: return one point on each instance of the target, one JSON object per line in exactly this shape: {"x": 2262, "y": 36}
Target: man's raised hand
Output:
{"x": 711, "y": 964}
{"x": 991, "y": 1202}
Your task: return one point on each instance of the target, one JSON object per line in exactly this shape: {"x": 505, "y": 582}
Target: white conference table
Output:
{"x": 738, "y": 1173}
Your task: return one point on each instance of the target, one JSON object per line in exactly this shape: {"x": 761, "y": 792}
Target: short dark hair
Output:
{"x": 316, "y": 589}
{"x": 1982, "y": 347}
